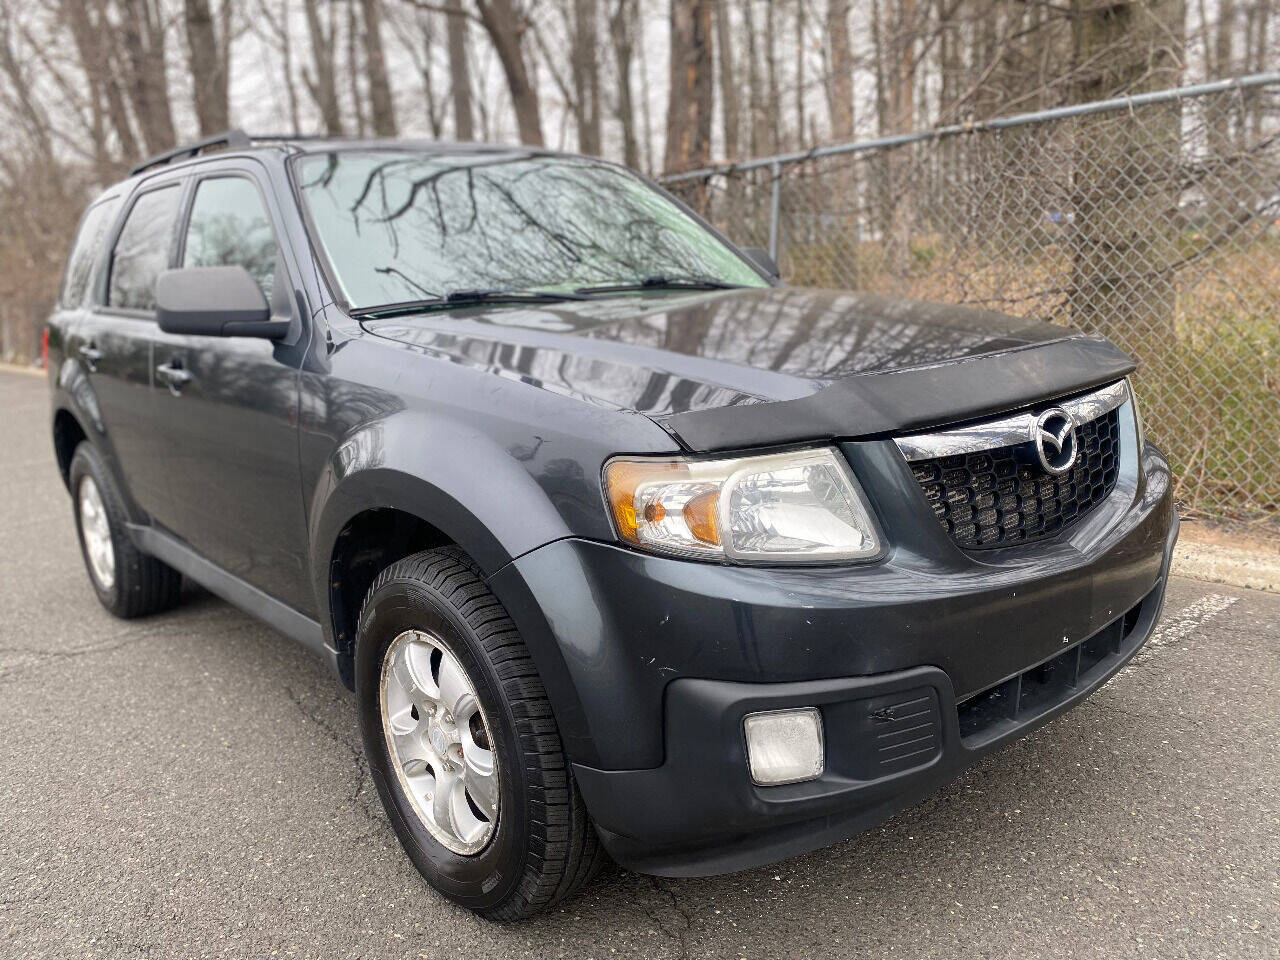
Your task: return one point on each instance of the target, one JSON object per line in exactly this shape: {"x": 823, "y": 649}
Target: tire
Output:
{"x": 542, "y": 847}
{"x": 138, "y": 584}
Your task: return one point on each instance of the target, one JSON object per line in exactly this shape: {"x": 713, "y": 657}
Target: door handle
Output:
{"x": 91, "y": 355}
{"x": 173, "y": 374}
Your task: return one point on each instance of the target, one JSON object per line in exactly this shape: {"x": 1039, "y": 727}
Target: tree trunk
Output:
{"x": 902, "y": 101}
{"x": 506, "y": 28}
{"x": 322, "y": 85}
{"x": 799, "y": 91}
{"x": 755, "y": 95}
{"x": 208, "y": 68}
{"x": 460, "y": 72}
{"x": 773, "y": 109}
{"x": 1125, "y": 188}
{"x": 353, "y": 68}
{"x": 840, "y": 81}
{"x": 286, "y": 68}
{"x": 729, "y": 101}
{"x": 381, "y": 108}
{"x": 142, "y": 34}
{"x": 691, "y": 94}
{"x": 92, "y": 45}
{"x": 621, "y": 32}
{"x": 585, "y": 67}
{"x": 646, "y": 112}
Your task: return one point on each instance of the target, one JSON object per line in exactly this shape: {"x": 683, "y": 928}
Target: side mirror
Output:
{"x": 215, "y": 302}
{"x": 760, "y": 257}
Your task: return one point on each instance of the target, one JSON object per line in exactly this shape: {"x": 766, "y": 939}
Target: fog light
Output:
{"x": 784, "y": 746}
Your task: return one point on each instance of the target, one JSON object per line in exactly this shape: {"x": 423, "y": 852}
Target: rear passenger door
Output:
{"x": 229, "y": 417}
{"x": 83, "y": 264}
{"x": 114, "y": 340}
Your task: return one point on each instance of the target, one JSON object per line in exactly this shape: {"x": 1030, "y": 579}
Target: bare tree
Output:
{"x": 507, "y": 25}
{"x": 22, "y": 104}
{"x": 209, "y": 49}
{"x": 799, "y": 78}
{"x": 903, "y": 40}
{"x": 354, "y": 72}
{"x": 91, "y": 36}
{"x": 646, "y": 113}
{"x": 460, "y": 72}
{"x": 839, "y": 84}
{"x": 586, "y": 75}
{"x": 381, "y": 107}
{"x": 755, "y": 93}
{"x": 622, "y": 26}
{"x": 691, "y": 93}
{"x": 321, "y": 78}
{"x": 142, "y": 34}
{"x": 773, "y": 107}
{"x": 730, "y": 112}
{"x": 278, "y": 33}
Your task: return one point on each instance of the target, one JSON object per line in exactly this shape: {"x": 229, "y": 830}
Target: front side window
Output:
{"x": 230, "y": 227}
{"x": 142, "y": 250}
{"x": 84, "y": 254}
{"x": 400, "y": 226}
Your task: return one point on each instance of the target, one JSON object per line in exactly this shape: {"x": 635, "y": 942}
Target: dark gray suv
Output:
{"x": 623, "y": 546}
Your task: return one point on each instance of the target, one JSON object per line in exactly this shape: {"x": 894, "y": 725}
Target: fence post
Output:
{"x": 775, "y": 207}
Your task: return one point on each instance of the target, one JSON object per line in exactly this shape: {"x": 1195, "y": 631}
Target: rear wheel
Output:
{"x": 462, "y": 743}
{"x": 128, "y": 582}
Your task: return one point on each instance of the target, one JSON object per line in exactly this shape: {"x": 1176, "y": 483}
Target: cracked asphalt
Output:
{"x": 191, "y": 785}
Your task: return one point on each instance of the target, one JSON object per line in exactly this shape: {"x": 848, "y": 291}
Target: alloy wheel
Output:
{"x": 439, "y": 741}
{"x": 95, "y": 527}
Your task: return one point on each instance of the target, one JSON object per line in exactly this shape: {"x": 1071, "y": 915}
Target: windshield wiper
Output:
{"x": 661, "y": 282}
{"x": 464, "y": 298}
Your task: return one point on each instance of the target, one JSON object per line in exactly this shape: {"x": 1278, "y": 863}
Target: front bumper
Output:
{"x": 891, "y": 740}
{"x": 651, "y": 664}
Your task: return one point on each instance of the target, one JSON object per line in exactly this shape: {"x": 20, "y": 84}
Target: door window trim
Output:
{"x": 86, "y": 295}
{"x": 189, "y": 205}
{"x": 102, "y": 283}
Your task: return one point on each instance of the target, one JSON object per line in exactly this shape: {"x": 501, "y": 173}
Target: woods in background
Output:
{"x": 87, "y": 87}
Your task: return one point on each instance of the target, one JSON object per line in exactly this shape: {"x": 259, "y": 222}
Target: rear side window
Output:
{"x": 84, "y": 254}
{"x": 230, "y": 227}
{"x": 142, "y": 250}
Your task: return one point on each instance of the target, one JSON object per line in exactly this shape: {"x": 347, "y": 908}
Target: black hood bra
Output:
{"x": 746, "y": 367}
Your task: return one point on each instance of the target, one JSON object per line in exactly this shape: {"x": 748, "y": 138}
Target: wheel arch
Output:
{"x": 68, "y": 433}
{"x": 376, "y": 516}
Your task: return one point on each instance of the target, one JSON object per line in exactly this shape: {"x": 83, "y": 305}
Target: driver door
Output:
{"x": 229, "y": 405}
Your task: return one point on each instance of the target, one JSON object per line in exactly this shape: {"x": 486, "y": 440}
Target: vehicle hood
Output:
{"x": 745, "y": 367}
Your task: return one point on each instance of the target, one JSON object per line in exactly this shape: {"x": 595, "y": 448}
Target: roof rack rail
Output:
{"x": 231, "y": 139}
{"x": 286, "y": 137}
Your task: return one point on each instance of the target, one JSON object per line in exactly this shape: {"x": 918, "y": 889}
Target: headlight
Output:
{"x": 1137, "y": 417}
{"x": 803, "y": 506}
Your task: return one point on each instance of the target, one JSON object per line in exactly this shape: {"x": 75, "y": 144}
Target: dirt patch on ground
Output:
{"x": 1255, "y": 537}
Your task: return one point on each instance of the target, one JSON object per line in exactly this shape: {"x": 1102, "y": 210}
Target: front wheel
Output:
{"x": 462, "y": 744}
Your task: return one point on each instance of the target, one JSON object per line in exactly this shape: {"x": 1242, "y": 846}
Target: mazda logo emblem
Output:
{"x": 1054, "y": 435}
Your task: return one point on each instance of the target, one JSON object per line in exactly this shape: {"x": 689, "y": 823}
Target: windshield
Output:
{"x": 401, "y": 227}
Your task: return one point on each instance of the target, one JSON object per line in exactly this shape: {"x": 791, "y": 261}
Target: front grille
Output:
{"x": 1001, "y": 497}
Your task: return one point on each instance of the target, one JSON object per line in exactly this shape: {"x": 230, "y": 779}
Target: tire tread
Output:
{"x": 145, "y": 585}
{"x": 564, "y": 851}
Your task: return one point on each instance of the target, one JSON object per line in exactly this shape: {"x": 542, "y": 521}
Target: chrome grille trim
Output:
{"x": 1008, "y": 431}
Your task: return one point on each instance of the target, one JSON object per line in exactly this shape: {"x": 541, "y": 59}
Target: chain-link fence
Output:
{"x": 1154, "y": 220}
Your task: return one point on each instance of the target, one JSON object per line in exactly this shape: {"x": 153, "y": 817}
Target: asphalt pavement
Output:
{"x": 191, "y": 785}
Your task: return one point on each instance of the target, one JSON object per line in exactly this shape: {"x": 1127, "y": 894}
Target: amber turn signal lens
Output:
{"x": 623, "y": 477}
{"x": 700, "y": 517}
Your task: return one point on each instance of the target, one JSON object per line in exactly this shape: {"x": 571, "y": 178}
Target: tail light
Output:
{"x": 44, "y": 348}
